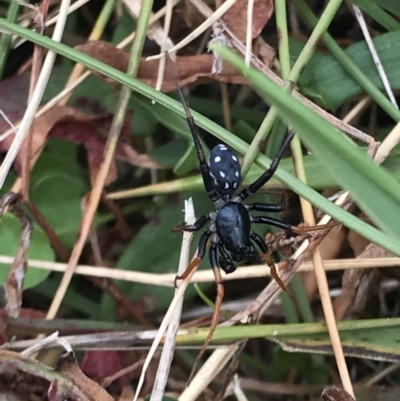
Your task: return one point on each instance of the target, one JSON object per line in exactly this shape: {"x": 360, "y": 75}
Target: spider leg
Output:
{"x": 217, "y": 308}
{"x": 265, "y": 207}
{"x": 199, "y": 224}
{"x": 266, "y": 176}
{"x": 205, "y": 171}
{"x": 285, "y": 226}
{"x": 267, "y": 258}
{"x": 200, "y": 255}
{"x": 272, "y": 222}
{"x": 225, "y": 261}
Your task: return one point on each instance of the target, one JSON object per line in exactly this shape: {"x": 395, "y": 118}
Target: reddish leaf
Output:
{"x": 92, "y": 132}
{"x": 189, "y": 70}
{"x": 99, "y": 365}
{"x": 73, "y": 125}
{"x": 14, "y": 94}
{"x": 236, "y": 17}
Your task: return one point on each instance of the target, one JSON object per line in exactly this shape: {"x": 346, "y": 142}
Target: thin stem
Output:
{"x": 5, "y": 41}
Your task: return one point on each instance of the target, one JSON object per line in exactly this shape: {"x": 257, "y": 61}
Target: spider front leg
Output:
{"x": 285, "y": 226}
{"x": 266, "y": 176}
{"x": 198, "y": 225}
{"x": 200, "y": 255}
{"x": 217, "y": 308}
{"x": 265, "y": 207}
{"x": 272, "y": 222}
{"x": 267, "y": 258}
{"x": 205, "y": 171}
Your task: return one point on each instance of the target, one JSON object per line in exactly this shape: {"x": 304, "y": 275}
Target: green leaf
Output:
{"x": 391, "y": 5}
{"x": 244, "y": 131}
{"x": 325, "y": 80}
{"x": 169, "y": 154}
{"x": 57, "y": 187}
{"x": 374, "y": 190}
{"x": 164, "y": 116}
{"x": 10, "y": 234}
{"x": 187, "y": 162}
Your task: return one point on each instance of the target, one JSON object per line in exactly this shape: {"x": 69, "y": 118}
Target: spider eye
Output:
{"x": 224, "y": 170}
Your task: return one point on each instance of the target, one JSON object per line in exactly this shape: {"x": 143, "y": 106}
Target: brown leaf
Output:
{"x": 100, "y": 364}
{"x": 41, "y": 127}
{"x": 127, "y": 394}
{"x": 188, "y": 69}
{"x": 69, "y": 369}
{"x": 335, "y": 394}
{"x": 66, "y": 381}
{"x": 92, "y": 133}
{"x": 71, "y": 124}
{"x": 236, "y": 17}
{"x": 357, "y": 284}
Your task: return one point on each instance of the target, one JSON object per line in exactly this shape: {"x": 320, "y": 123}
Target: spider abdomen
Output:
{"x": 224, "y": 169}
{"x": 233, "y": 227}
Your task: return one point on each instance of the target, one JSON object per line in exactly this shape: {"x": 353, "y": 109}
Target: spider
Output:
{"x": 229, "y": 226}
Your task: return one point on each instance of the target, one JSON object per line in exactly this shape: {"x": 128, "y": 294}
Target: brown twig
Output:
{"x": 15, "y": 278}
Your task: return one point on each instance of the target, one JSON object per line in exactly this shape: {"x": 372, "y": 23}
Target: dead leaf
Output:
{"x": 41, "y": 127}
{"x": 92, "y": 133}
{"x": 127, "y": 394}
{"x": 101, "y": 364}
{"x": 14, "y": 92}
{"x": 189, "y": 69}
{"x": 67, "y": 366}
{"x": 335, "y": 394}
{"x": 16, "y": 275}
{"x": 357, "y": 284}
{"x": 27, "y": 376}
{"x": 71, "y": 124}
{"x": 236, "y": 17}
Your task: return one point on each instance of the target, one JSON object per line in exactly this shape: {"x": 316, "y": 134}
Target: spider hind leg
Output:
{"x": 218, "y": 302}
{"x": 267, "y": 258}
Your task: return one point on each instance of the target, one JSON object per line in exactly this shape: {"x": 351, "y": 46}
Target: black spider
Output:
{"x": 229, "y": 227}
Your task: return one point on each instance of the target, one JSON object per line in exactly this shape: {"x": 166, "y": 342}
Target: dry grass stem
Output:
{"x": 173, "y": 326}
{"x": 206, "y": 374}
{"x": 206, "y": 276}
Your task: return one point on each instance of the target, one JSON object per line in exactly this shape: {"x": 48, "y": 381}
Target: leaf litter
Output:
{"x": 72, "y": 125}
